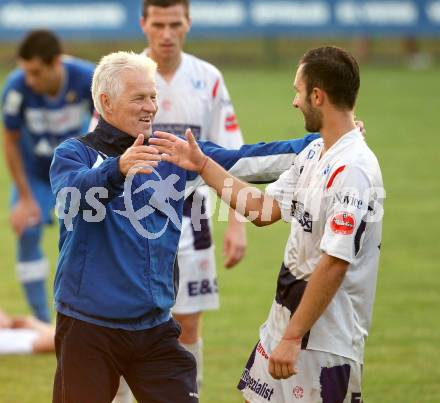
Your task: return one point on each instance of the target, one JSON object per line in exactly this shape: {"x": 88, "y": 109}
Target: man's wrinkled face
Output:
{"x": 134, "y": 108}
{"x": 42, "y": 78}
{"x": 302, "y": 101}
{"x": 166, "y": 29}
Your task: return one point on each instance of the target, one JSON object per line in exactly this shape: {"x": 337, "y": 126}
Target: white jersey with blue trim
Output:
{"x": 44, "y": 122}
{"x": 197, "y": 98}
{"x": 335, "y": 203}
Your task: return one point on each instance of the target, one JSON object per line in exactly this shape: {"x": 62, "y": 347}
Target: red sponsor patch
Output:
{"x": 231, "y": 123}
{"x": 343, "y": 223}
{"x": 298, "y": 392}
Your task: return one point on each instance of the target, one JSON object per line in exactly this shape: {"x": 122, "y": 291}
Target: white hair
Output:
{"x": 106, "y": 78}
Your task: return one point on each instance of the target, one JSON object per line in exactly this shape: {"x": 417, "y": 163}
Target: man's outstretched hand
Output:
{"x": 185, "y": 154}
{"x": 139, "y": 158}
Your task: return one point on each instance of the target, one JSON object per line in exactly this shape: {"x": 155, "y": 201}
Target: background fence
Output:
{"x": 113, "y": 19}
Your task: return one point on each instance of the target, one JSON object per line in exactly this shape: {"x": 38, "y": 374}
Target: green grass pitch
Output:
{"x": 400, "y": 110}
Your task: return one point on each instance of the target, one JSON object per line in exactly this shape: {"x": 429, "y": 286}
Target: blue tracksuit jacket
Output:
{"x": 117, "y": 260}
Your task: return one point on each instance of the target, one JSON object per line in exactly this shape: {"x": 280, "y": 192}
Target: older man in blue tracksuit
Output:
{"x": 116, "y": 276}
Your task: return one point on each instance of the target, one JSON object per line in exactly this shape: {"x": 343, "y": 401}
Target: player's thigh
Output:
{"x": 163, "y": 371}
{"x": 89, "y": 361}
{"x": 322, "y": 377}
{"x": 198, "y": 289}
{"x": 191, "y": 326}
{"x": 325, "y": 377}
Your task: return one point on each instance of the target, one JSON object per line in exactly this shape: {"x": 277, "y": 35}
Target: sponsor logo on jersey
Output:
{"x": 261, "y": 351}
{"x": 343, "y": 223}
{"x": 310, "y": 154}
{"x": 43, "y": 148}
{"x": 12, "y": 102}
{"x": 203, "y": 287}
{"x": 178, "y": 129}
{"x": 198, "y": 84}
{"x": 225, "y": 102}
{"x": 303, "y": 217}
{"x": 231, "y": 123}
{"x": 261, "y": 389}
{"x": 348, "y": 200}
{"x": 204, "y": 264}
{"x": 56, "y": 122}
{"x": 298, "y": 392}
{"x": 71, "y": 97}
{"x": 166, "y": 105}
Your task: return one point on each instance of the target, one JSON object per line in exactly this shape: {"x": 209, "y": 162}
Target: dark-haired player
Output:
{"x": 46, "y": 100}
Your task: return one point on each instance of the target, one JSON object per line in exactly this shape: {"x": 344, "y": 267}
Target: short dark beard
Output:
{"x": 312, "y": 118}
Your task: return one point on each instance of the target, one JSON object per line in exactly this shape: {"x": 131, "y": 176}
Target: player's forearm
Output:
{"x": 69, "y": 172}
{"x": 15, "y": 165}
{"x": 321, "y": 288}
{"x": 248, "y": 201}
{"x": 234, "y": 222}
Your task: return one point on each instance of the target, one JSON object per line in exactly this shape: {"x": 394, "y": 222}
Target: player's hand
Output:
{"x": 138, "y": 158}
{"x": 5, "y": 321}
{"x": 26, "y": 213}
{"x": 360, "y": 125}
{"x": 234, "y": 243}
{"x": 282, "y": 362}
{"x": 185, "y": 154}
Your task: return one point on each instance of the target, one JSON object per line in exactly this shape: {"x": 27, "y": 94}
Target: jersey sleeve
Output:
{"x": 224, "y": 129}
{"x": 253, "y": 163}
{"x": 12, "y": 104}
{"x": 70, "y": 169}
{"x": 347, "y": 198}
{"x": 282, "y": 190}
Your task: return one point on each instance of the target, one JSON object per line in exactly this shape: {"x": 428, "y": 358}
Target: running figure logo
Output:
{"x": 163, "y": 191}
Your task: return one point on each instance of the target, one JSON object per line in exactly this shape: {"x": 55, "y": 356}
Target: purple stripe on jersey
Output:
{"x": 244, "y": 380}
{"x": 289, "y": 293}
{"x": 359, "y": 233}
{"x": 194, "y": 207}
{"x": 334, "y": 383}
{"x": 178, "y": 129}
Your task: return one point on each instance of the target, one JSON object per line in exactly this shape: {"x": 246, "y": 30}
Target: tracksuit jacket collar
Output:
{"x": 108, "y": 139}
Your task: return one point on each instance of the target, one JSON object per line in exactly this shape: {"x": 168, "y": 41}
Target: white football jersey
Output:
{"x": 197, "y": 98}
{"x": 335, "y": 203}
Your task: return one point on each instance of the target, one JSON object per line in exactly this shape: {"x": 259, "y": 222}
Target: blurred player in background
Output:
{"x": 46, "y": 100}
{"x": 25, "y": 335}
{"x": 192, "y": 94}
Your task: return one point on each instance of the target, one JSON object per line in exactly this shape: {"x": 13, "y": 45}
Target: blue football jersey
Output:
{"x": 44, "y": 122}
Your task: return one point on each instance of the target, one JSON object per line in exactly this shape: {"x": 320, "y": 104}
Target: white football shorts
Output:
{"x": 198, "y": 290}
{"x": 322, "y": 378}
{"x": 17, "y": 341}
